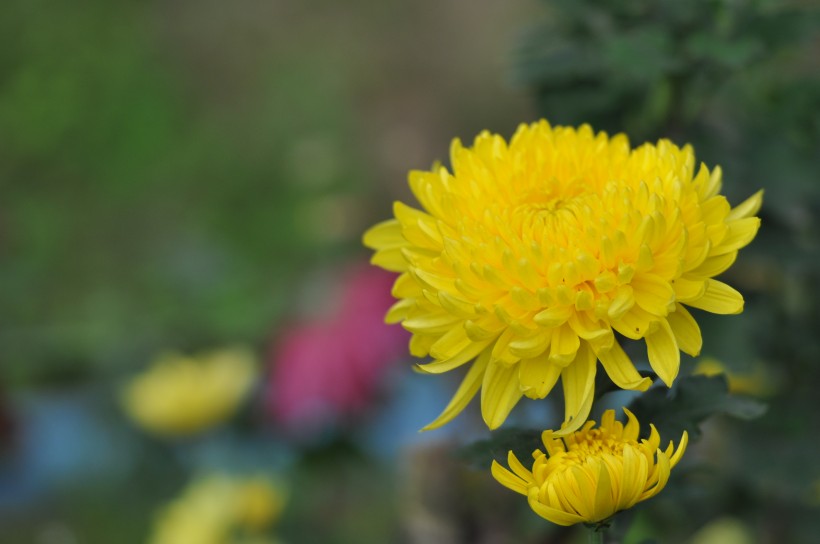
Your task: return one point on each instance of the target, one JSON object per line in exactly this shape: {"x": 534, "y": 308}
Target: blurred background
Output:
{"x": 189, "y": 329}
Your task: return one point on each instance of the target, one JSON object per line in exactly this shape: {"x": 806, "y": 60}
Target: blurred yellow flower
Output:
{"x": 723, "y": 531}
{"x": 184, "y": 395}
{"x": 530, "y": 255}
{"x": 217, "y": 507}
{"x": 757, "y": 383}
{"x": 591, "y": 474}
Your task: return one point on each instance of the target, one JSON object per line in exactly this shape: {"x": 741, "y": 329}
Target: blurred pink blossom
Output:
{"x": 328, "y": 370}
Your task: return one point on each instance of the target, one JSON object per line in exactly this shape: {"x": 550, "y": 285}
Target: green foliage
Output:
{"x": 140, "y": 212}
{"x": 522, "y": 442}
{"x": 691, "y": 401}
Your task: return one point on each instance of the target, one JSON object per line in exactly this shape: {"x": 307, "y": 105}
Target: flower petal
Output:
{"x": 719, "y": 298}
{"x": 538, "y": 376}
{"x": 384, "y": 235}
{"x": 464, "y": 394}
{"x": 686, "y": 330}
{"x": 500, "y": 392}
{"x": 664, "y": 355}
{"x": 578, "y": 380}
{"x": 653, "y": 293}
{"x": 747, "y": 208}
{"x": 621, "y": 370}
{"x": 558, "y": 517}
{"x": 604, "y": 502}
{"x": 508, "y": 479}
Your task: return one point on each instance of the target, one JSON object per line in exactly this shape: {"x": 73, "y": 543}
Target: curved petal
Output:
{"x": 500, "y": 392}
{"x": 621, "y": 370}
{"x": 578, "y": 379}
{"x": 508, "y": 479}
{"x": 558, "y": 517}
{"x": 664, "y": 355}
{"x": 465, "y": 393}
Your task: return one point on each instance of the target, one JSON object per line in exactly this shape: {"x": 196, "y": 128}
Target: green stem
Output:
{"x": 595, "y": 537}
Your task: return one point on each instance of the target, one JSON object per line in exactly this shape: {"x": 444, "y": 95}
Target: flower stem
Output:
{"x": 594, "y": 535}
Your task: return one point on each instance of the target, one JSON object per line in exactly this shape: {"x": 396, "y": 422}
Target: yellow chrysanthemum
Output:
{"x": 529, "y": 255}
{"x": 182, "y": 395}
{"x": 591, "y": 474}
{"x": 215, "y": 507}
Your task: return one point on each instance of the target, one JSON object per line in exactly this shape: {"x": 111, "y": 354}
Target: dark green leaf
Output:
{"x": 522, "y": 442}
{"x": 693, "y": 400}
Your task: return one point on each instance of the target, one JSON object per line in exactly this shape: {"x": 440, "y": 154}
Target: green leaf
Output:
{"x": 522, "y": 442}
{"x": 691, "y": 401}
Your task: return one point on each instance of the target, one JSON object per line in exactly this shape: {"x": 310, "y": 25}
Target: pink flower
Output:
{"x": 329, "y": 370}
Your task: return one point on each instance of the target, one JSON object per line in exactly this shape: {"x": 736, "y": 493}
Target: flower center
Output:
{"x": 587, "y": 446}
{"x": 551, "y": 197}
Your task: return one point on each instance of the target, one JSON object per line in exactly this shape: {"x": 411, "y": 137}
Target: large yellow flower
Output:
{"x": 530, "y": 255}
{"x": 182, "y": 395}
{"x": 591, "y": 474}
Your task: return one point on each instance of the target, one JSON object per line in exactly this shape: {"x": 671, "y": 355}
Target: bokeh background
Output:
{"x": 189, "y": 177}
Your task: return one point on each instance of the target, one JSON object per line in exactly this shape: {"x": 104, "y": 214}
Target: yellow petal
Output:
{"x": 578, "y": 380}
{"x": 719, "y": 298}
{"x": 508, "y": 479}
{"x": 456, "y": 305}
{"x": 564, "y": 345}
{"x": 684, "y": 441}
{"x": 632, "y": 429}
{"x": 420, "y": 344}
{"x": 621, "y": 303}
{"x": 688, "y": 288}
{"x": 587, "y": 489}
{"x": 653, "y": 293}
{"x": 518, "y": 468}
{"x": 386, "y": 234}
{"x": 466, "y": 391}
{"x": 500, "y": 392}
{"x": 663, "y": 468}
{"x": 553, "y": 316}
{"x": 461, "y": 357}
{"x": 635, "y": 323}
{"x": 739, "y": 234}
{"x": 558, "y": 517}
{"x": 399, "y": 311}
{"x": 636, "y": 470}
{"x": 588, "y": 327}
{"x": 621, "y": 370}
{"x": 713, "y": 266}
{"x": 451, "y": 343}
{"x": 431, "y": 322}
{"x": 532, "y": 346}
{"x": 604, "y": 506}
{"x": 390, "y": 259}
{"x": 686, "y": 330}
{"x": 748, "y": 208}
{"x": 538, "y": 376}
{"x": 664, "y": 355}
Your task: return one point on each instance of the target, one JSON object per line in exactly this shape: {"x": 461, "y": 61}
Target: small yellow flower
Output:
{"x": 215, "y": 507}
{"x": 529, "y": 256}
{"x": 591, "y": 474}
{"x": 758, "y": 382}
{"x": 259, "y": 503}
{"x": 723, "y": 531}
{"x": 182, "y": 395}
